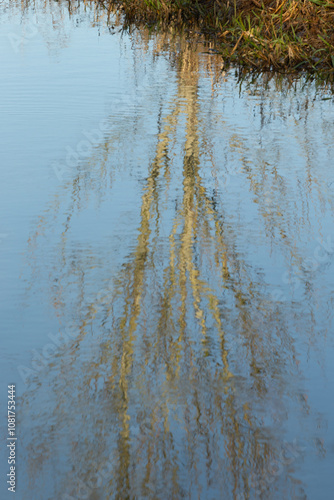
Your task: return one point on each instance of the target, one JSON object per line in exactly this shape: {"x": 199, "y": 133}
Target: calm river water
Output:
{"x": 166, "y": 259}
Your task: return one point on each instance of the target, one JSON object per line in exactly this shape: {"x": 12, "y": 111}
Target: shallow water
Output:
{"x": 166, "y": 257}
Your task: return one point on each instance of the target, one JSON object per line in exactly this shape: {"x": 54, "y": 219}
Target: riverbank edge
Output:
{"x": 286, "y": 37}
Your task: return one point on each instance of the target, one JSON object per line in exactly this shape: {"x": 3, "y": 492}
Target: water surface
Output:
{"x": 166, "y": 260}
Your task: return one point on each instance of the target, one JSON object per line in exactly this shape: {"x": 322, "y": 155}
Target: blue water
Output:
{"x": 166, "y": 260}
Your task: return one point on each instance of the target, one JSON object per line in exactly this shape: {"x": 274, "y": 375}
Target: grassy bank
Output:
{"x": 288, "y": 35}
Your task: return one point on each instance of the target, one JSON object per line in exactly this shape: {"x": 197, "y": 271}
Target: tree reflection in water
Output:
{"x": 183, "y": 370}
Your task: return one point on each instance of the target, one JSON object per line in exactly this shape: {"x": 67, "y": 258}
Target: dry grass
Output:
{"x": 288, "y": 35}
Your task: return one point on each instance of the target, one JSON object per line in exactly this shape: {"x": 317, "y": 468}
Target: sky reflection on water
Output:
{"x": 168, "y": 261}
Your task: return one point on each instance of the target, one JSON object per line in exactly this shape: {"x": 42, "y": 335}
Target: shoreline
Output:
{"x": 292, "y": 36}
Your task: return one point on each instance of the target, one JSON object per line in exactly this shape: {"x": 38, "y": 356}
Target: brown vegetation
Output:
{"x": 263, "y": 34}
